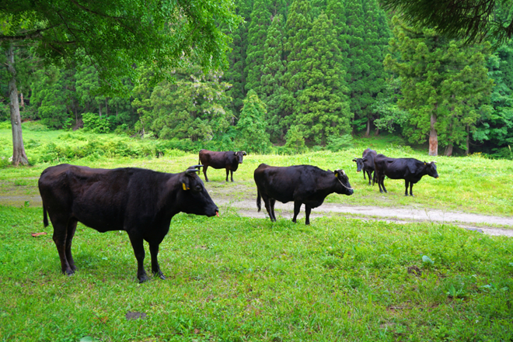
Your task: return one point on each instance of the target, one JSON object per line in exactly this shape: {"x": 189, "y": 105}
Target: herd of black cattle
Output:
{"x": 142, "y": 202}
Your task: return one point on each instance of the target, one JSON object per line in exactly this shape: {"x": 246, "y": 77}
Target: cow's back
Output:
{"x": 286, "y": 183}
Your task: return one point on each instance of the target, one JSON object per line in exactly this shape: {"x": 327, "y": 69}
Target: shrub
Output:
{"x": 95, "y": 124}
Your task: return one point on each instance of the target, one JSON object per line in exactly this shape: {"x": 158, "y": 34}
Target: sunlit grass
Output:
{"x": 240, "y": 279}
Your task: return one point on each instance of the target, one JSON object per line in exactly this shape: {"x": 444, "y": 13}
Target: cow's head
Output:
{"x": 344, "y": 186}
{"x": 239, "y": 155}
{"x": 431, "y": 169}
{"x": 359, "y": 163}
{"x": 194, "y": 197}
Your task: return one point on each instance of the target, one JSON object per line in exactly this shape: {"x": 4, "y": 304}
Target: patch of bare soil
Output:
{"x": 399, "y": 215}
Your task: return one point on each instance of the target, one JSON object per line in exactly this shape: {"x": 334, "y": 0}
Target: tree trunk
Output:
{"x": 448, "y": 150}
{"x": 22, "y": 102}
{"x": 376, "y": 133}
{"x": 106, "y": 108}
{"x": 100, "y": 105}
{"x": 368, "y": 128}
{"x": 433, "y": 137}
{"x": 468, "y": 141}
{"x": 18, "y": 150}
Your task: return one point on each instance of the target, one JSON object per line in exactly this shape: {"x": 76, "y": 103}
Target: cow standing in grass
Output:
{"x": 366, "y": 164}
{"x": 301, "y": 184}
{"x": 409, "y": 169}
{"x": 221, "y": 160}
{"x": 139, "y": 201}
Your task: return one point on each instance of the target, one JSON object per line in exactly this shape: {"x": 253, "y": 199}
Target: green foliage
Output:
{"x": 443, "y": 84}
{"x": 336, "y": 144}
{"x": 295, "y": 140}
{"x": 117, "y": 35}
{"x": 96, "y": 124}
{"x": 251, "y": 128}
{"x": 34, "y": 126}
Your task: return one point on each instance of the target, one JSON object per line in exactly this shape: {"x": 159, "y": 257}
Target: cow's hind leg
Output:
{"x": 297, "y": 207}
{"x": 272, "y": 202}
{"x": 267, "y": 202}
{"x": 205, "y": 172}
{"x": 138, "y": 246}
{"x": 227, "y": 174}
{"x": 60, "y": 235}
{"x": 308, "y": 210}
{"x": 369, "y": 173}
{"x": 72, "y": 227}
{"x": 154, "y": 251}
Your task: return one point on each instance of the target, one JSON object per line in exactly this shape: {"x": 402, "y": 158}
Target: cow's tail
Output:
{"x": 45, "y": 217}
{"x": 259, "y": 201}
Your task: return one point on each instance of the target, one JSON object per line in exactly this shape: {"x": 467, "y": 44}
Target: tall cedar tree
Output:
{"x": 273, "y": 69}
{"x": 323, "y": 109}
{"x": 442, "y": 83}
{"x": 257, "y": 32}
{"x": 297, "y": 30}
{"x": 251, "y": 129}
{"x": 235, "y": 73}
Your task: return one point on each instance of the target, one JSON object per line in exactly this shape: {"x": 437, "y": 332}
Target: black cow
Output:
{"x": 300, "y": 183}
{"x": 366, "y": 164}
{"x": 409, "y": 169}
{"x": 221, "y": 160}
{"x": 139, "y": 201}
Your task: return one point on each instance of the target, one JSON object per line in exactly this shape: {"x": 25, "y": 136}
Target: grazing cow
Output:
{"x": 366, "y": 164}
{"x": 139, "y": 201}
{"x": 221, "y": 160}
{"x": 300, "y": 183}
{"x": 409, "y": 169}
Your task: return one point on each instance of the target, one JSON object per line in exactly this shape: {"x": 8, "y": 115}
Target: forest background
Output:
{"x": 301, "y": 75}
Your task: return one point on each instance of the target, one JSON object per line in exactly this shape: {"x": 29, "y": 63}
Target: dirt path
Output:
{"x": 482, "y": 223}
{"x": 245, "y": 207}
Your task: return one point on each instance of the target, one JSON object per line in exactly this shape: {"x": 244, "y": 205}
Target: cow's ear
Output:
{"x": 244, "y": 153}
{"x": 354, "y": 160}
{"x": 234, "y": 153}
{"x": 364, "y": 160}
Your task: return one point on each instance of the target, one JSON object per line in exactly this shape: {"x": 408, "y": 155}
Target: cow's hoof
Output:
{"x": 143, "y": 278}
{"x": 69, "y": 273}
{"x": 160, "y": 275}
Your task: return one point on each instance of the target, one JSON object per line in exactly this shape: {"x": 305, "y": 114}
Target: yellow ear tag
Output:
{"x": 183, "y": 186}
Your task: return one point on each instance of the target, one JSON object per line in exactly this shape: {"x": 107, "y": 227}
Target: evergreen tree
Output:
{"x": 322, "y": 108}
{"x": 297, "y": 30}
{"x": 273, "y": 69}
{"x": 260, "y": 21}
{"x": 192, "y": 108}
{"x": 252, "y": 127}
{"x": 235, "y": 73}
{"x": 442, "y": 83}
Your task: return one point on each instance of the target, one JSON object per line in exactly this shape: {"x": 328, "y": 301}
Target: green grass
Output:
{"x": 241, "y": 279}
{"x": 467, "y": 184}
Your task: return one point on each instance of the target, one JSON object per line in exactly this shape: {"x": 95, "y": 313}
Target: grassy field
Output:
{"x": 234, "y": 278}
{"x": 241, "y": 279}
{"x": 467, "y": 184}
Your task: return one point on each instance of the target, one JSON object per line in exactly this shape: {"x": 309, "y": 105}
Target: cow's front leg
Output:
{"x": 406, "y": 187}
{"x": 411, "y": 189}
{"x": 138, "y": 246}
{"x": 308, "y": 210}
{"x": 369, "y": 173}
{"x": 227, "y": 174}
{"x": 297, "y": 207}
{"x": 231, "y": 175}
{"x": 155, "y": 267}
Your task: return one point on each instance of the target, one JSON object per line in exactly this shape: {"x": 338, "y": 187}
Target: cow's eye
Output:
{"x": 198, "y": 187}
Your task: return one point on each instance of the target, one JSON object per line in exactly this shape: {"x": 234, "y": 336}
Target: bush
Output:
{"x": 34, "y": 126}
{"x": 336, "y": 143}
{"x": 93, "y": 123}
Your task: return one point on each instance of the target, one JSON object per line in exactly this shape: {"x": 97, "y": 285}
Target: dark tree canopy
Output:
{"x": 117, "y": 34}
{"x": 472, "y": 20}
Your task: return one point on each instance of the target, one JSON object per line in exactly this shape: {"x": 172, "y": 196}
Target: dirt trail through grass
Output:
{"x": 487, "y": 224}
{"x": 491, "y": 225}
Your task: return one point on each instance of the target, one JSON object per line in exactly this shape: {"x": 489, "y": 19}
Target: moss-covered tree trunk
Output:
{"x": 18, "y": 153}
